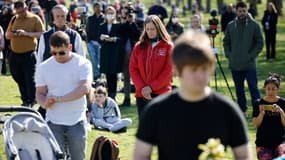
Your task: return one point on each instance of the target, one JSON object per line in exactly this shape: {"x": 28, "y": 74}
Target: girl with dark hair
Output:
{"x": 150, "y": 64}
{"x": 174, "y": 27}
{"x": 269, "y": 119}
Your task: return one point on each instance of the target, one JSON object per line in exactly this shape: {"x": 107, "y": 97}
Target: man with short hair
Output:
{"x": 243, "y": 42}
{"x": 59, "y": 13}
{"x": 24, "y": 29}
{"x": 178, "y": 122}
{"x": 92, "y": 31}
{"x": 62, "y": 82}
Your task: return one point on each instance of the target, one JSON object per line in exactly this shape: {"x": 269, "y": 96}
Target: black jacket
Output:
{"x": 271, "y": 18}
{"x": 129, "y": 31}
{"x": 93, "y": 26}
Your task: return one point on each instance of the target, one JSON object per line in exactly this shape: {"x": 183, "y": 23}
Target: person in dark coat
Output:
{"x": 5, "y": 17}
{"x": 110, "y": 60}
{"x": 227, "y": 16}
{"x": 269, "y": 22}
{"x": 129, "y": 35}
{"x": 174, "y": 27}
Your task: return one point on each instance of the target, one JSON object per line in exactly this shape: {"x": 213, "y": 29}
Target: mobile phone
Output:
{"x": 15, "y": 33}
{"x": 268, "y": 107}
{"x": 35, "y": 9}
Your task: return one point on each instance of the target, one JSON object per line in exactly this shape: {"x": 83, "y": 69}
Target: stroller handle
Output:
{"x": 17, "y": 109}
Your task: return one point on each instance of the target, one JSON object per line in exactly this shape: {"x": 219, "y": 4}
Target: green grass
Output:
{"x": 9, "y": 94}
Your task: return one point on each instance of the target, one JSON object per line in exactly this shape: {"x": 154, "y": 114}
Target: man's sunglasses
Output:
{"x": 61, "y": 53}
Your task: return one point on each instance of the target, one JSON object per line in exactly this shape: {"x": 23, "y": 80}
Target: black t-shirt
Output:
{"x": 271, "y": 131}
{"x": 177, "y": 126}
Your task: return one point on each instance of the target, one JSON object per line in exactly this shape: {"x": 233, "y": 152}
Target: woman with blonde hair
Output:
{"x": 110, "y": 60}
{"x": 196, "y": 24}
{"x": 269, "y": 23}
{"x": 150, "y": 64}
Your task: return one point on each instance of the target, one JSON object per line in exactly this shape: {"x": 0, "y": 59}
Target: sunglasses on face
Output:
{"x": 61, "y": 53}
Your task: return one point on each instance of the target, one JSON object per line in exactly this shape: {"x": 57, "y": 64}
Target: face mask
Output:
{"x": 174, "y": 20}
{"x": 109, "y": 16}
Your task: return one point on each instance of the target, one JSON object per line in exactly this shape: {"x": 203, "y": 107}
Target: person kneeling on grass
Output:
{"x": 269, "y": 119}
{"x": 106, "y": 113}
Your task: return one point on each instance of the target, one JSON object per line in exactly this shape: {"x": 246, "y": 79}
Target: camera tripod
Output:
{"x": 213, "y": 36}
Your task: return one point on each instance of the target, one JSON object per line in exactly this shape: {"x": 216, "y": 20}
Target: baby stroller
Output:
{"x": 28, "y": 137}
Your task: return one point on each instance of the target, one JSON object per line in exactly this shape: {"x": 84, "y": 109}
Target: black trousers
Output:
{"x": 270, "y": 43}
{"x": 127, "y": 79}
{"x": 5, "y": 55}
{"x": 141, "y": 104}
{"x": 112, "y": 84}
{"x": 22, "y": 67}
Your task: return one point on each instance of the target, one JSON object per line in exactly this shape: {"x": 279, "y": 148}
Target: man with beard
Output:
{"x": 243, "y": 42}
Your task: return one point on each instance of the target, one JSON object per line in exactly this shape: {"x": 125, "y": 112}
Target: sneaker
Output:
{"x": 88, "y": 127}
{"x": 122, "y": 130}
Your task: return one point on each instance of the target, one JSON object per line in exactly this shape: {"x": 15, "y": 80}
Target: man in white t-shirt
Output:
{"x": 62, "y": 81}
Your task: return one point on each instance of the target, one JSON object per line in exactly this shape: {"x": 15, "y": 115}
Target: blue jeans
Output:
{"x": 251, "y": 78}
{"x": 94, "y": 53}
{"x": 72, "y": 139}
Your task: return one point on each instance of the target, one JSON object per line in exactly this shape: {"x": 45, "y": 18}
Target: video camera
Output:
{"x": 130, "y": 10}
{"x": 213, "y": 24}
{"x": 83, "y": 15}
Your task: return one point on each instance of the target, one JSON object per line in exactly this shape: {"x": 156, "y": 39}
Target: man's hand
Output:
{"x": 21, "y": 32}
{"x": 50, "y": 101}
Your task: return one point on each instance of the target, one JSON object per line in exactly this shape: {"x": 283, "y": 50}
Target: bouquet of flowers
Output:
{"x": 212, "y": 150}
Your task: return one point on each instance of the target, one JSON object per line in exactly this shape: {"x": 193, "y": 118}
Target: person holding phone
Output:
{"x": 269, "y": 119}
{"x": 110, "y": 58}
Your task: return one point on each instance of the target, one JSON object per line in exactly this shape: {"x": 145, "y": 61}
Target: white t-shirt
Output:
{"x": 60, "y": 79}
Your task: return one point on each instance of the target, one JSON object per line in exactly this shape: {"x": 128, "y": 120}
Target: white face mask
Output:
{"x": 174, "y": 20}
{"x": 109, "y": 16}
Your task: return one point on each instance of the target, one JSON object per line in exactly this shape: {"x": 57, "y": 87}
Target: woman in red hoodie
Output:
{"x": 150, "y": 64}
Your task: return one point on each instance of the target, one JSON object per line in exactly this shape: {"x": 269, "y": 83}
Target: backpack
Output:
{"x": 105, "y": 149}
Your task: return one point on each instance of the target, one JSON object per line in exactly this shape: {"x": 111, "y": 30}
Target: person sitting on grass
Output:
{"x": 106, "y": 114}
{"x": 269, "y": 119}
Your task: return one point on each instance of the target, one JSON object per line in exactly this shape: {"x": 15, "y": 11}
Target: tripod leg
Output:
{"x": 216, "y": 86}
{"x": 222, "y": 71}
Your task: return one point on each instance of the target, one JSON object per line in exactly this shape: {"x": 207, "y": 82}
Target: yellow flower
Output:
{"x": 212, "y": 150}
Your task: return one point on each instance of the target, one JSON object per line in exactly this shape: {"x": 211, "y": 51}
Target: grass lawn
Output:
{"x": 9, "y": 94}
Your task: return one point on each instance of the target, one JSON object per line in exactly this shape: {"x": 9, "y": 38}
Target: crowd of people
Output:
{"x": 43, "y": 44}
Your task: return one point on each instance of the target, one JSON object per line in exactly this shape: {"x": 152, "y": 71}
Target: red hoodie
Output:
{"x": 152, "y": 66}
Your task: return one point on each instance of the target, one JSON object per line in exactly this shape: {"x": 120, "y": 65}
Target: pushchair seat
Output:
{"x": 32, "y": 145}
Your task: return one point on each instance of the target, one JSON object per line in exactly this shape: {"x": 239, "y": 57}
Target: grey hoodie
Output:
{"x": 242, "y": 44}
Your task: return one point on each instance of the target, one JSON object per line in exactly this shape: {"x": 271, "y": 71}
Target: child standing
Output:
{"x": 106, "y": 113}
{"x": 269, "y": 119}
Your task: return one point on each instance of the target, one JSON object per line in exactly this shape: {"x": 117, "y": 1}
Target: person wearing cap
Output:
{"x": 23, "y": 31}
